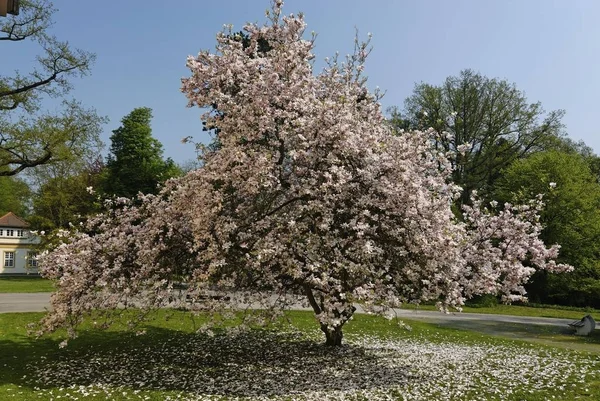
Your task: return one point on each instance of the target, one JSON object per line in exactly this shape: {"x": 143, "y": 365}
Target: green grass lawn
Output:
{"x": 521, "y": 310}
{"x": 380, "y": 361}
{"x": 25, "y": 284}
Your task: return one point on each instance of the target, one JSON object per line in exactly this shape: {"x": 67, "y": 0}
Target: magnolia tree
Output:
{"x": 309, "y": 194}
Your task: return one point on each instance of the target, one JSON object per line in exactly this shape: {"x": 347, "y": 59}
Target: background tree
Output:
{"x": 568, "y": 145}
{"x": 491, "y": 116}
{"x": 15, "y": 196}
{"x": 66, "y": 194}
{"x": 30, "y": 136}
{"x": 308, "y": 194}
{"x": 135, "y": 163}
{"x": 571, "y": 217}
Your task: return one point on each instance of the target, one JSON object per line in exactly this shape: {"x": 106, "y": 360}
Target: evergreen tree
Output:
{"x": 135, "y": 163}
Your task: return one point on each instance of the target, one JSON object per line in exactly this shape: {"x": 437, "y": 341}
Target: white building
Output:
{"x": 17, "y": 246}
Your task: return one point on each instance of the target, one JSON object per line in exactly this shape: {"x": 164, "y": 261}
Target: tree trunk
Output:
{"x": 333, "y": 336}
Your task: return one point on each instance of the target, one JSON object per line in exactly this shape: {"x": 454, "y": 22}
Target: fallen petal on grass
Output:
{"x": 262, "y": 364}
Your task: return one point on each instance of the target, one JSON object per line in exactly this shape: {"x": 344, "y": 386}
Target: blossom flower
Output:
{"x": 464, "y": 148}
{"x": 303, "y": 147}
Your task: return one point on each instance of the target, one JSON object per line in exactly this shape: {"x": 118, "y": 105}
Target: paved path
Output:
{"x": 39, "y": 302}
{"x": 438, "y": 317}
{"x": 22, "y": 302}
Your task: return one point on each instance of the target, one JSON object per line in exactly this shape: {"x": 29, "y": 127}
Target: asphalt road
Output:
{"x": 21, "y": 302}
{"x": 40, "y": 302}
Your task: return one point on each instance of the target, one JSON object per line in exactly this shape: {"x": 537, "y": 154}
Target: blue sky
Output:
{"x": 549, "y": 49}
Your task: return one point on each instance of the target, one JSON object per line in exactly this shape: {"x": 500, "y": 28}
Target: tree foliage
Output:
{"x": 29, "y": 135}
{"x": 135, "y": 163}
{"x": 489, "y": 119}
{"x": 66, "y": 196}
{"x": 579, "y": 148}
{"x": 14, "y": 196}
{"x": 571, "y": 217}
{"x": 309, "y": 194}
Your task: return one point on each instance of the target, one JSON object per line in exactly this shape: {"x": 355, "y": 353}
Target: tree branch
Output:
{"x": 311, "y": 299}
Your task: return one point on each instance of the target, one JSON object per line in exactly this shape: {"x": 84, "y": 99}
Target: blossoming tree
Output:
{"x": 309, "y": 193}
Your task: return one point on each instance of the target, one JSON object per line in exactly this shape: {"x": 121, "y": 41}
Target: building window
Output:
{"x": 32, "y": 260}
{"x": 9, "y": 259}
{"x": 19, "y": 233}
{"x": 1, "y": 232}
{"x": 10, "y": 233}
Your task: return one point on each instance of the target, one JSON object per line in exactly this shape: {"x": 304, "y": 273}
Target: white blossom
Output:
{"x": 309, "y": 194}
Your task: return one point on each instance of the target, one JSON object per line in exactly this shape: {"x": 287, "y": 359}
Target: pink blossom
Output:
{"x": 310, "y": 194}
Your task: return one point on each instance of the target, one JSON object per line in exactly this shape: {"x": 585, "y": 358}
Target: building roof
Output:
{"x": 12, "y": 220}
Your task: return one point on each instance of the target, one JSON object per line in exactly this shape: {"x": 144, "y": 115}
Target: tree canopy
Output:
{"x": 489, "y": 120}
{"x": 66, "y": 196}
{"x": 571, "y": 218}
{"x": 14, "y": 196}
{"x": 308, "y": 194}
{"x": 135, "y": 163}
{"x": 29, "y": 135}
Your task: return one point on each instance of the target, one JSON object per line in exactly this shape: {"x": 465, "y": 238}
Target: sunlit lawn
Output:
{"x": 381, "y": 361}
{"x": 12, "y": 284}
{"x": 521, "y": 310}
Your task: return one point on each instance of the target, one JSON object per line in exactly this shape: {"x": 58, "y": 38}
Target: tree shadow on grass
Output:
{"x": 254, "y": 363}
